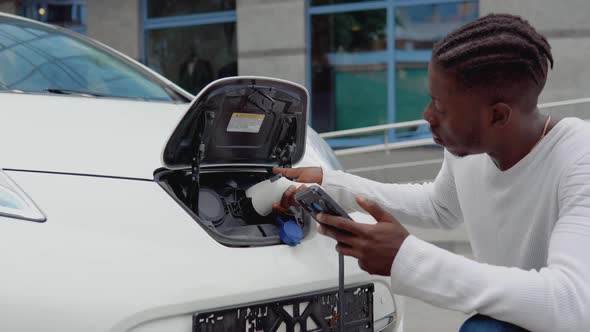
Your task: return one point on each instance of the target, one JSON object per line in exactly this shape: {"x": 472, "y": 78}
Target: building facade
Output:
{"x": 364, "y": 61}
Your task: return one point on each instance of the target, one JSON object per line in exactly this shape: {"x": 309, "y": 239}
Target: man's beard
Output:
{"x": 474, "y": 139}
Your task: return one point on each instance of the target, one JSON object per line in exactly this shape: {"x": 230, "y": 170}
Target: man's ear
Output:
{"x": 500, "y": 114}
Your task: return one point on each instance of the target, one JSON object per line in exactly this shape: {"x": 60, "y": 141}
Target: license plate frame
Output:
{"x": 311, "y": 313}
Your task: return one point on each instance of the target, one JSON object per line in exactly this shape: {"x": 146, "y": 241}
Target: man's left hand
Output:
{"x": 375, "y": 246}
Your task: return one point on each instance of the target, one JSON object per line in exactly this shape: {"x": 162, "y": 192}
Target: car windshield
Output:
{"x": 40, "y": 59}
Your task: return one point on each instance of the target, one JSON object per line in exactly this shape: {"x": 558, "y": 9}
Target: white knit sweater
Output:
{"x": 529, "y": 228}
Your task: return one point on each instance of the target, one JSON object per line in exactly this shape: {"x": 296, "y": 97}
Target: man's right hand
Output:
{"x": 302, "y": 175}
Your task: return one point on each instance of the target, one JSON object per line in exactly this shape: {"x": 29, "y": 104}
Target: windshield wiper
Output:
{"x": 72, "y": 92}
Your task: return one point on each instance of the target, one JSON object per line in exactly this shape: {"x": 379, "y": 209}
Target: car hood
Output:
{"x": 81, "y": 135}
{"x": 116, "y": 254}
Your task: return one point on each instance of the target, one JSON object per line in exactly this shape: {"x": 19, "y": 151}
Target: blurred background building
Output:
{"x": 364, "y": 61}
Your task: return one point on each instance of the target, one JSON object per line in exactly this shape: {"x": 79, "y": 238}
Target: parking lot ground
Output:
{"x": 423, "y": 317}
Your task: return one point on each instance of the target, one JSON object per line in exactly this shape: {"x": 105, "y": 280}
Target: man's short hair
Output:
{"x": 495, "y": 50}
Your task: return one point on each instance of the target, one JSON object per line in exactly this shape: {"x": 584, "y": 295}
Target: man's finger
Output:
{"x": 362, "y": 265}
{"x": 374, "y": 209}
{"x": 339, "y": 236}
{"x": 290, "y": 173}
{"x": 288, "y": 197}
{"x": 347, "y": 250}
{"x": 278, "y": 208}
{"x": 340, "y": 223}
{"x": 291, "y": 201}
{"x": 294, "y": 201}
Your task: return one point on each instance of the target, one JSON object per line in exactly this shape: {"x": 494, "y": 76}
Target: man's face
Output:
{"x": 457, "y": 119}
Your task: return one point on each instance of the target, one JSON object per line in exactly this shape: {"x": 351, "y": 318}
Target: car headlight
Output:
{"x": 14, "y": 203}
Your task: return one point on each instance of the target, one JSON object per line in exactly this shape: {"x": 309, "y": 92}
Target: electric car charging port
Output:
{"x": 223, "y": 208}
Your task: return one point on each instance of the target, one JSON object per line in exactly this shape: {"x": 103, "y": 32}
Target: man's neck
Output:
{"x": 520, "y": 141}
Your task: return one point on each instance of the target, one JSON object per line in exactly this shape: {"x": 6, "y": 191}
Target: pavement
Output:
{"x": 423, "y": 317}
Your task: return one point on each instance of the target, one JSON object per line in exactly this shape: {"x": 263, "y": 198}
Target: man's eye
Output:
{"x": 437, "y": 107}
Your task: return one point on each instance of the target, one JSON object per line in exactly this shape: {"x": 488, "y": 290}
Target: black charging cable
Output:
{"x": 341, "y": 292}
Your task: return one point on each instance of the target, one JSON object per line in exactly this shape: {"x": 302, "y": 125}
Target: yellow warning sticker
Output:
{"x": 245, "y": 123}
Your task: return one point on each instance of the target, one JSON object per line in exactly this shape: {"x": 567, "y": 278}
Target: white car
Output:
{"x": 102, "y": 163}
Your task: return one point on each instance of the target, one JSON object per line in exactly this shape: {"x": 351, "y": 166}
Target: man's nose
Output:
{"x": 429, "y": 116}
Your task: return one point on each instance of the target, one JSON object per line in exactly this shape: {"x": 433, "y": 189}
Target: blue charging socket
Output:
{"x": 290, "y": 232}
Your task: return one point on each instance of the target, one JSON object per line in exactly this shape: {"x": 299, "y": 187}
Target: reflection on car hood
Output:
{"x": 110, "y": 137}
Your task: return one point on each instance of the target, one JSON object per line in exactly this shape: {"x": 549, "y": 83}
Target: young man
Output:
{"x": 518, "y": 179}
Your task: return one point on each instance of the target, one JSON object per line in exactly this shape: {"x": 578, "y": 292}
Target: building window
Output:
{"x": 369, "y": 61}
{"x": 193, "y": 56}
{"x": 332, "y": 2}
{"x": 419, "y": 27}
{"x": 191, "y": 42}
{"x": 166, "y": 8}
{"x": 346, "y": 80}
{"x": 70, "y": 14}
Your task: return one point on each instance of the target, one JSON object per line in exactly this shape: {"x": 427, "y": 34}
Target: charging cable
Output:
{"x": 341, "y": 292}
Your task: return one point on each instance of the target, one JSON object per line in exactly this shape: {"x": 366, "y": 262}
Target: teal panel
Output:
{"x": 361, "y": 99}
{"x": 411, "y": 93}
